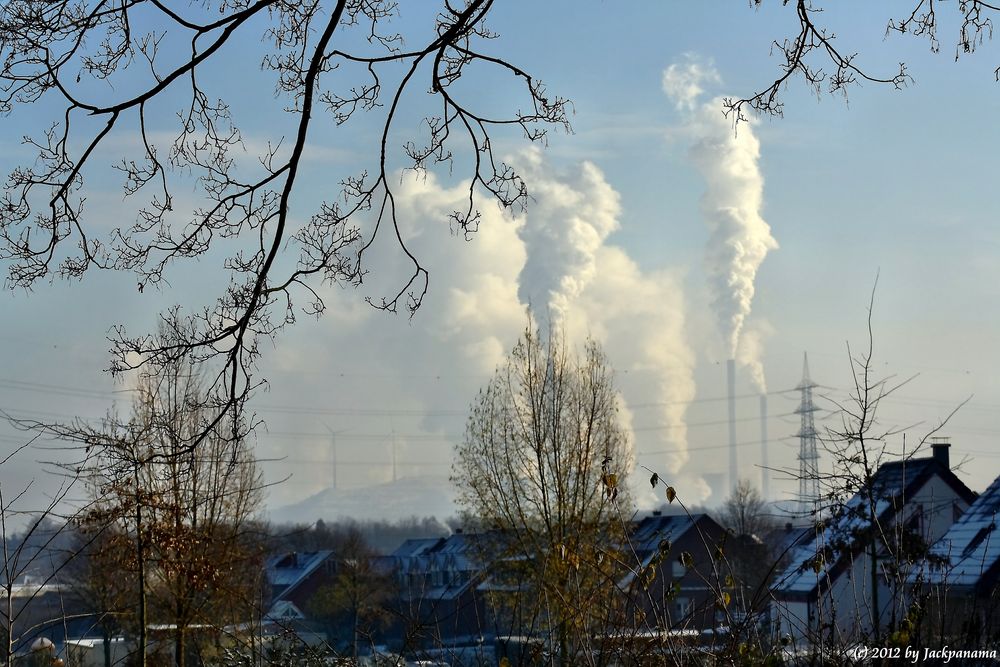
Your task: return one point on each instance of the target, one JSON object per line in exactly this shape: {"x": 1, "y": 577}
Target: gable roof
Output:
{"x": 823, "y": 556}
{"x": 454, "y": 559}
{"x": 286, "y": 571}
{"x": 650, "y": 531}
{"x": 284, "y": 610}
{"x": 648, "y": 535}
{"x": 416, "y": 547}
{"x": 971, "y": 547}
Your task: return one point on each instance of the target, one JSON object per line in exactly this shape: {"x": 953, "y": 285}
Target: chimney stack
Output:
{"x": 939, "y": 449}
{"x": 731, "y": 390}
{"x": 765, "y": 471}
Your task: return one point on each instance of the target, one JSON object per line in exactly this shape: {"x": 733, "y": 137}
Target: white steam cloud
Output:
{"x": 739, "y": 238}
{"x": 751, "y": 350}
{"x": 558, "y": 257}
{"x": 640, "y": 319}
{"x": 570, "y": 218}
{"x": 683, "y": 83}
{"x": 594, "y": 288}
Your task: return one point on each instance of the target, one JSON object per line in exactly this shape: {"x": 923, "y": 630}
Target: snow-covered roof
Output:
{"x": 647, "y": 536}
{"x": 288, "y": 570}
{"x": 455, "y": 558}
{"x": 971, "y": 546}
{"x": 650, "y": 531}
{"x": 819, "y": 557}
{"x": 416, "y": 547}
{"x": 92, "y": 642}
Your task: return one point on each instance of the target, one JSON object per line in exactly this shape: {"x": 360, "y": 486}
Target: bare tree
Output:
{"x": 35, "y": 558}
{"x": 358, "y": 595}
{"x": 814, "y": 54}
{"x": 110, "y": 70}
{"x": 540, "y": 463}
{"x": 145, "y": 75}
{"x": 179, "y": 522}
{"x": 100, "y": 580}
{"x": 744, "y": 512}
{"x": 876, "y": 520}
{"x": 858, "y": 447}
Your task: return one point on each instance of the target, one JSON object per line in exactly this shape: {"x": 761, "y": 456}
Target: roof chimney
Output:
{"x": 939, "y": 448}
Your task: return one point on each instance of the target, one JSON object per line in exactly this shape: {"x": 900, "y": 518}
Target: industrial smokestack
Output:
{"x": 765, "y": 473}
{"x": 731, "y": 381}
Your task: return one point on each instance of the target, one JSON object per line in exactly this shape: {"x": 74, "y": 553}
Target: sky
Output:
{"x": 655, "y": 227}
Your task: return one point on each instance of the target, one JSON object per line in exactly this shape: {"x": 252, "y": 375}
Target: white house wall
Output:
{"x": 844, "y": 611}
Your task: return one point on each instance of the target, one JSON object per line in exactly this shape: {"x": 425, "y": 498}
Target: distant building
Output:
{"x": 826, "y": 593}
{"x": 42, "y": 606}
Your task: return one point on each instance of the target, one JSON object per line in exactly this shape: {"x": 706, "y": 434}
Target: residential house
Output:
{"x": 440, "y": 599}
{"x": 44, "y": 607}
{"x": 451, "y": 594}
{"x": 293, "y": 579}
{"x": 961, "y": 580}
{"x": 829, "y": 591}
{"x": 677, "y": 572}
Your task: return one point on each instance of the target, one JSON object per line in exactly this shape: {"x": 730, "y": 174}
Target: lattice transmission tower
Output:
{"x": 808, "y": 454}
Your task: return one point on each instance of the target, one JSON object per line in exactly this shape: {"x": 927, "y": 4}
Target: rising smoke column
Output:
{"x": 751, "y": 349}
{"x": 739, "y": 238}
{"x": 570, "y": 217}
{"x": 640, "y": 318}
{"x": 573, "y": 277}
{"x": 558, "y": 256}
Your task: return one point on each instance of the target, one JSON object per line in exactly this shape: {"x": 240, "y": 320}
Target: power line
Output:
{"x": 81, "y": 392}
{"x": 702, "y": 448}
{"x": 60, "y": 390}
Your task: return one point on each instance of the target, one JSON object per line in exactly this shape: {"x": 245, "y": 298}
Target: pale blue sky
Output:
{"x": 899, "y": 183}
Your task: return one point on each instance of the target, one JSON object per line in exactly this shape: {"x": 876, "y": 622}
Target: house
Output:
{"x": 446, "y": 583}
{"x": 40, "y": 606}
{"x": 293, "y": 579}
{"x": 830, "y": 591}
{"x": 962, "y": 575}
{"x": 439, "y": 585}
{"x": 89, "y": 651}
{"x": 676, "y": 577}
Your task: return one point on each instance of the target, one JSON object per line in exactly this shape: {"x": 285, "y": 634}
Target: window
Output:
{"x": 678, "y": 570}
{"x": 915, "y": 525}
{"x": 682, "y": 607}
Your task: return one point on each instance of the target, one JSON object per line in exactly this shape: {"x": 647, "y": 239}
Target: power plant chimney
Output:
{"x": 765, "y": 472}
{"x": 731, "y": 381}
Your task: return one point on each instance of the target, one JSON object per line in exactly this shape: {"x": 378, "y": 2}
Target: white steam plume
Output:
{"x": 570, "y": 217}
{"x": 557, "y": 254}
{"x": 639, "y": 318}
{"x": 739, "y": 238}
{"x": 750, "y": 351}
{"x": 683, "y": 83}
{"x": 596, "y": 289}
